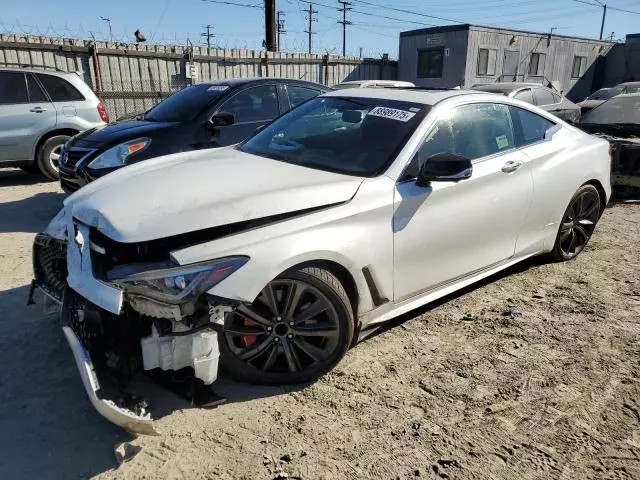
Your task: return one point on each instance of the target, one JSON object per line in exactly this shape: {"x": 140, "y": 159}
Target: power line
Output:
{"x": 236, "y": 4}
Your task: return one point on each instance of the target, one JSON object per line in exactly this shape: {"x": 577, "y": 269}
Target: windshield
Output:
{"x": 620, "y": 109}
{"x": 355, "y": 136}
{"x": 186, "y": 104}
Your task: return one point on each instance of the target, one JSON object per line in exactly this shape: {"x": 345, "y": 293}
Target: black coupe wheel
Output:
{"x": 298, "y": 328}
{"x": 578, "y": 224}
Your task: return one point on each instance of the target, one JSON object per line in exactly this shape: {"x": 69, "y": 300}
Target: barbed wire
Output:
{"x": 246, "y": 40}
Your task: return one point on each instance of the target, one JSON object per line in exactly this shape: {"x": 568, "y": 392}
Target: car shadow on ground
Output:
{"x": 14, "y": 177}
{"x": 41, "y": 208}
{"x": 48, "y": 428}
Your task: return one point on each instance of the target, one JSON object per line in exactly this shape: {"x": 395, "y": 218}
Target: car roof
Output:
{"x": 381, "y": 82}
{"x": 232, "y": 82}
{"x": 505, "y": 86}
{"x": 629, "y": 84}
{"x": 426, "y": 97}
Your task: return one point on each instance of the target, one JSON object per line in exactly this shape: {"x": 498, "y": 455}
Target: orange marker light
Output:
{"x": 135, "y": 147}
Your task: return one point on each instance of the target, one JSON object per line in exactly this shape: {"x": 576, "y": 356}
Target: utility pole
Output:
{"x": 270, "y": 25}
{"x": 280, "y": 27}
{"x": 108, "y": 20}
{"x": 208, "y": 36}
{"x": 604, "y": 15}
{"x": 311, "y": 19}
{"x": 344, "y": 23}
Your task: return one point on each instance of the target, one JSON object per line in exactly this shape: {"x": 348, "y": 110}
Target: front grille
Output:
{"x": 71, "y": 157}
{"x": 50, "y": 265}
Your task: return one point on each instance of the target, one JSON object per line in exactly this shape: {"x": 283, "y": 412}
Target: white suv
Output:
{"x": 39, "y": 111}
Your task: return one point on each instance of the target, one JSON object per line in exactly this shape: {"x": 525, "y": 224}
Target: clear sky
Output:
{"x": 241, "y": 26}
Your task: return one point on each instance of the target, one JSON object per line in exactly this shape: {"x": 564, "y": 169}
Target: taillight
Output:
{"x": 103, "y": 113}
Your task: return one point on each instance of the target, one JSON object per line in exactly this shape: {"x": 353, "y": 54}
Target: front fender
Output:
{"x": 354, "y": 235}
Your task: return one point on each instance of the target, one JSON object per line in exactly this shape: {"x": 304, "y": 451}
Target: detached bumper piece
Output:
{"x": 122, "y": 417}
{"x": 133, "y": 422}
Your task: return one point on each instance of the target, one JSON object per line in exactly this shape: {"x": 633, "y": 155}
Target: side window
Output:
{"x": 543, "y": 96}
{"x": 13, "y": 88}
{"x": 298, "y": 95}
{"x": 473, "y": 131}
{"x": 59, "y": 89}
{"x": 254, "y": 104}
{"x": 525, "y": 96}
{"x": 530, "y": 127}
{"x": 35, "y": 92}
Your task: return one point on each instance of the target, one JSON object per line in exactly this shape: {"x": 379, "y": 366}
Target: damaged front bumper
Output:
{"x": 107, "y": 334}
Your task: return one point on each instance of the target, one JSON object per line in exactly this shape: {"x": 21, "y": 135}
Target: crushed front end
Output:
{"x": 127, "y": 308}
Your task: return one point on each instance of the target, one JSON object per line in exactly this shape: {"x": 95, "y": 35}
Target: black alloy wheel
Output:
{"x": 578, "y": 223}
{"x": 298, "y": 327}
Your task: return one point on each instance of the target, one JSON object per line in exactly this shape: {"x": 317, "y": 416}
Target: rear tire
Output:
{"x": 49, "y": 155}
{"x": 277, "y": 340}
{"x": 577, "y": 224}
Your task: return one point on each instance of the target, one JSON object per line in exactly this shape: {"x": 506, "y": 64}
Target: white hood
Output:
{"x": 186, "y": 192}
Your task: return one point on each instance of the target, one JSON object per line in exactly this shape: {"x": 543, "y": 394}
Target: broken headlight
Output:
{"x": 174, "y": 284}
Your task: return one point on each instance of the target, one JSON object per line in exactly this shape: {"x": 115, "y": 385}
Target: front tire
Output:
{"x": 297, "y": 329}
{"x": 49, "y": 156}
{"x": 578, "y": 222}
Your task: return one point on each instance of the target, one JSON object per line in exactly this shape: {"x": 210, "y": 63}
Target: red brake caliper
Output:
{"x": 249, "y": 339}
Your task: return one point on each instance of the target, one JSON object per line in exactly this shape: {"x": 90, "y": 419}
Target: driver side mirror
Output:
{"x": 444, "y": 167}
{"x": 222, "y": 119}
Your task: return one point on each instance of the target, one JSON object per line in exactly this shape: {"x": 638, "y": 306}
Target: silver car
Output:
{"x": 538, "y": 95}
{"x": 39, "y": 111}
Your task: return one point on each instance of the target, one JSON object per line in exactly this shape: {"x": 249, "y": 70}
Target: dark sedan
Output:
{"x": 204, "y": 115}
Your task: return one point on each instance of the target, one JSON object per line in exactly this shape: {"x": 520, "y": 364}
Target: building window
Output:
{"x": 430, "y": 62}
{"x": 487, "y": 61}
{"x": 579, "y": 66}
{"x": 536, "y": 65}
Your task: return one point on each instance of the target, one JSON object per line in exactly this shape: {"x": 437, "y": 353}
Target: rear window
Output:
{"x": 543, "y": 97}
{"x": 186, "y": 104}
{"x": 13, "y": 88}
{"x": 59, "y": 89}
{"x": 530, "y": 127}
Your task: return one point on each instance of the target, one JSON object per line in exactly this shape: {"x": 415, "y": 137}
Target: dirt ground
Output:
{"x": 550, "y": 391}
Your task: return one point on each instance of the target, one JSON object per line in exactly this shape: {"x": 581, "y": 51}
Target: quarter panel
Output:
{"x": 559, "y": 168}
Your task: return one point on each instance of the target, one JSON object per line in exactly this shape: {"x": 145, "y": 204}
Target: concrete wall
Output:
{"x": 132, "y": 78}
{"x": 453, "y": 68}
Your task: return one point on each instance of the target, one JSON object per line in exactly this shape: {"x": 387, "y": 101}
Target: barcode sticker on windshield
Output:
{"x": 217, "y": 88}
{"x": 392, "y": 113}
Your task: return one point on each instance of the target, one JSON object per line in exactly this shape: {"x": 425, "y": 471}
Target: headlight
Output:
{"x": 174, "y": 284}
{"x": 118, "y": 155}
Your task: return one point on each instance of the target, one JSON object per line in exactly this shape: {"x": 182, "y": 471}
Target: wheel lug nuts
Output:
{"x": 279, "y": 318}
{"x": 291, "y": 324}
{"x": 277, "y": 339}
{"x": 269, "y": 329}
{"x": 289, "y": 336}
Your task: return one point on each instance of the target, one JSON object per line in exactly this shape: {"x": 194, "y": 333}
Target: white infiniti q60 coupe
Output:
{"x": 276, "y": 254}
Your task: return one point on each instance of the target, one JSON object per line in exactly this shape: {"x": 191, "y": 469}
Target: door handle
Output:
{"x": 511, "y": 166}
{"x": 38, "y": 110}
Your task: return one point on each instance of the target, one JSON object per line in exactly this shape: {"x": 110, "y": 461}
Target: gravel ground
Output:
{"x": 550, "y": 391}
